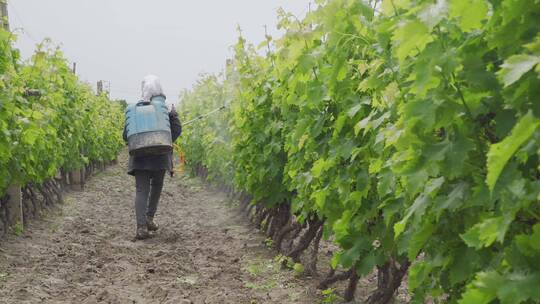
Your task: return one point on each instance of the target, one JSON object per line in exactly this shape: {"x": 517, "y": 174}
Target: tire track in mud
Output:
{"x": 204, "y": 252}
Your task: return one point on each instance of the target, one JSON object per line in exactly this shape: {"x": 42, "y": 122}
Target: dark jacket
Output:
{"x": 156, "y": 162}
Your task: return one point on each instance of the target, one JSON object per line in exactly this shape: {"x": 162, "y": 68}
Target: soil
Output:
{"x": 205, "y": 251}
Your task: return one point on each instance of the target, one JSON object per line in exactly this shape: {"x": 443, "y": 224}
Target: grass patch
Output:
{"x": 18, "y": 229}
{"x": 265, "y": 286}
{"x": 262, "y": 267}
{"x": 3, "y": 276}
{"x": 190, "y": 280}
{"x": 330, "y": 296}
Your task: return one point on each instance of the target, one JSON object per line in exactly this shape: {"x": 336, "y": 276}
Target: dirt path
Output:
{"x": 84, "y": 252}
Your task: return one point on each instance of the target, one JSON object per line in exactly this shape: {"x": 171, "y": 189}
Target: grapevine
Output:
{"x": 408, "y": 129}
{"x": 49, "y": 120}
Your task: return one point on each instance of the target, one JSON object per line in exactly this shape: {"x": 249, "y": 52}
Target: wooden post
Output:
{"x": 14, "y": 206}
{"x": 4, "y": 15}
{"x": 65, "y": 177}
{"x": 75, "y": 179}
{"x": 99, "y": 87}
{"x": 88, "y": 171}
{"x": 58, "y": 176}
{"x": 83, "y": 177}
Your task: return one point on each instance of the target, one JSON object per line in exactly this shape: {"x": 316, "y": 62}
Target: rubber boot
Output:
{"x": 151, "y": 225}
{"x": 142, "y": 233}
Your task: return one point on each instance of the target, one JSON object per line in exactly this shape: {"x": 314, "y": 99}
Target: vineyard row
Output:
{"x": 405, "y": 131}
{"x": 51, "y": 125}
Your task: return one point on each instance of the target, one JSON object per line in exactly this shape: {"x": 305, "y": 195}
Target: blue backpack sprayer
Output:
{"x": 148, "y": 127}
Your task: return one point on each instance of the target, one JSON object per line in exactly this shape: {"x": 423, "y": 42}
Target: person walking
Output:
{"x": 149, "y": 171}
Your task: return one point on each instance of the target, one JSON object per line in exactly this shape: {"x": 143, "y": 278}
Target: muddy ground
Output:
{"x": 204, "y": 252}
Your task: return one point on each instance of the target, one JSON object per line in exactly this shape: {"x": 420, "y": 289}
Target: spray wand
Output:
{"x": 204, "y": 115}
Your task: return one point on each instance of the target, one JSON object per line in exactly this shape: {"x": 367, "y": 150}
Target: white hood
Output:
{"x": 151, "y": 86}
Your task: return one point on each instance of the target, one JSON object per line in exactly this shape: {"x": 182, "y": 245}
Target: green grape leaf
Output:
{"x": 516, "y": 66}
{"x": 534, "y": 46}
{"x": 510, "y": 288}
{"x": 411, "y": 38}
{"x": 530, "y": 244}
{"x": 418, "y": 240}
{"x": 320, "y": 166}
{"x": 350, "y": 256}
{"x": 418, "y": 273}
{"x": 389, "y": 7}
{"x": 486, "y": 232}
{"x": 520, "y": 287}
{"x": 354, "y": 109}
{"x": 452, "y": 200}
{"x": 500, "y": 153}
{"x": 320, "y": 198}
{"x": 461, "y": 269}
{"x": 367, "y": 263}
{"x": 476, "y": 296}
{"x": 30, "y": 136}
{"x": 420, "y": 204}
{"x": 471, "y": 13}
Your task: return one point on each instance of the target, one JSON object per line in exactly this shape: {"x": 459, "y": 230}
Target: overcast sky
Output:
{"x": 122, "y": 40}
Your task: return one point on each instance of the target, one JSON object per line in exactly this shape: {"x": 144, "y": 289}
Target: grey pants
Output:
{"x": 148, "y": 185}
